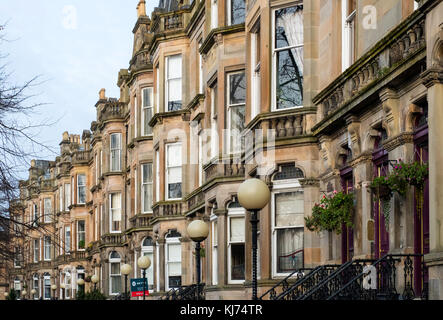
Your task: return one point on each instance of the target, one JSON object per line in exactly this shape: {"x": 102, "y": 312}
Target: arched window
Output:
{"x": 173, "y": 266}
{"x": 114, "y": 273}
{"x": 36, "y": 286}
{"x": 287, "y": 208}
{"x": 46, "y": 286}
{"x": 148, "y": 250}
{"x": 68, "y": 283}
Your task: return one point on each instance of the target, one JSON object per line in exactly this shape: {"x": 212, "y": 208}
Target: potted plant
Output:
{"x": 331, "y": 213}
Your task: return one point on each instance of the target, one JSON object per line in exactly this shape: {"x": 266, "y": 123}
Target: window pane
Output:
{"x": 147, "y": 197}
{"x": 174, "y": 190}
{"x": 174, "y": 252}
{"x": 174, "y": 66}
{"x": 237, "y": 261}
{"x": 289, "y": 27}
{"x": 237, "y": 11}
{"x": 147, "y": 173}
{"x": 147, "y": 97}
{"x": 115, "y": 141}
{"x": 289, "y": 209}
{"x": 174, "y": 155}
{"x": 237, "y": 87}
{"x": 289, "y": 242}
{"x": 289, "y": 79}
{"x": 115, "y": 268}
{"x": 237, "y": 229}
{"x": 147, "y": 116}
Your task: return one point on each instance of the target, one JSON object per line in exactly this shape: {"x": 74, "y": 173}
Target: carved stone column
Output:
{"x": 433, "y": 80}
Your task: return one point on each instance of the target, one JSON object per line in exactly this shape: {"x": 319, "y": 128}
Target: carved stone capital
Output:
{"x": 432, "y": 76}
{"x": 401, "y": 139}
{"x": 309, "y": 182}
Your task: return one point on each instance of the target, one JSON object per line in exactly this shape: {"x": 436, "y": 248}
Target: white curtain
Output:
{"x": 292, "y": 23}
{"x": 237, "y": 229}
{"x": 289, "y": 209}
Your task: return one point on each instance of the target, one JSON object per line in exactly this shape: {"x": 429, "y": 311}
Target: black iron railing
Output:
{"x": 283, "y": 285}
{"x": 191, "y": 292}
{"x": 387, "y": 286}
{"x": 307, "y": 282}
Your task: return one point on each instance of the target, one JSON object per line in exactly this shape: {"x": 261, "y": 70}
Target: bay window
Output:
{"x": 173, "y": 262}
{"x": 287, "y": 208}
{"x": 114, "y": 273}
{"x": 236, "y": 97}
{"x": 236, "y": 243}
{"x": 348, "y": 32}
{"x": 116, "y": 139}
{"x": 67, "y": 239}
{"x": 81, "y": 234}
{"x": 147, "y": 110}
{"x": 287, "y": 57}
{"x": 47, "y": 248}
{"x": 173, "y": 82}
{"x": 67, "y": 196}
{"x": 173, "y": 171}
{"x": 115, "y": 212}
{"x": 236, "y": 11}
{"x": 81, "y": 188}
{"x": 147, "y": 187}
{"x": 47, "y": 203}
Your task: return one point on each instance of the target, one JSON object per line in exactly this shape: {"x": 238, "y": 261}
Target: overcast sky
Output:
{"x": 76, "y": 47}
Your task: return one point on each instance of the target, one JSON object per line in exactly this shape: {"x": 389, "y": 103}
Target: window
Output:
{"x": 47, "y": 248}
{"x": 17, "y": 257}
{"x": 157, "y": 89}
{"x": 173, "y": 84}
{"x": 200, "y": 71}
{"x": 67, "y": 196}
{"x": 236, "y": 110}
{"x": 115, "y": 212}
{"x": 200, "y": 159}
{"x": 255, "y": 71}
{"x": 416, "y": 4}
{"x": 35, "y": 286}
{"x": 148, "y": 250}
{"x": 114, "y": 273}
{"x": 214, "y": 129}
{"x": 96, "y": 169}
{"x": 173, "y": 260}
{"x": 147, "y": 110}
{"x": 236, "y": 244}
{"x": 348, "y": 32}
{"x": 288, "y": 57}
{"x": 147, "y": 187}
{"x": 81, "y": 234}
{"x": 157, "y": 176}
{"x": 35, "y": 216}
{"x": 173, "y": 171}
{"x": 72, "y": 189}
{"x": 115, "y": 151}
{"x": 135, "y": 117}
{"x": 236, "y": 11}
{"x": 60, "y": 201}
{"x": 214, "y": 241}
{"x": 36, "y": 250}
{"x": 47, "y": 210}
{"x": 67, "y": 240}
{"x": 214, "y": 14}
{"x": 287, "y": 220}
{"x": 101, "y": 161}
{"x": 135, "y": 191}
{"x": 47, "y": 286}
{"x": 67, "y": 285}
{"x": 81, "y": 188}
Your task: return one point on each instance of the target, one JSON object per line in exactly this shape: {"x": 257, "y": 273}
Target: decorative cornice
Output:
{"x": 363, "y": 157}
{"x": 309, "y": 182}
{"x": 432, "y": 76}
{"x": 401, "y": 139}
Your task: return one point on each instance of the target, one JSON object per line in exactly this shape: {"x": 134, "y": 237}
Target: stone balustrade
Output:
{"x": 168, "y": 208}
{"x": 140, "y": 221}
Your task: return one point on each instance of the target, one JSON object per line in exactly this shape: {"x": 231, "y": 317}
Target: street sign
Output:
{"x": 137, "y": 287}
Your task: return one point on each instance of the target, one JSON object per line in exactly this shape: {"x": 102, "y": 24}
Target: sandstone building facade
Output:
{"x": 309, "y": 96}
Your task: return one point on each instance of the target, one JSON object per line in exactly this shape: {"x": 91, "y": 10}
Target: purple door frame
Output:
{"x": 347, "y": 235}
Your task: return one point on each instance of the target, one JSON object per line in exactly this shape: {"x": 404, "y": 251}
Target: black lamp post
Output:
{"x": 126, "y": 269}
{"x": 198, "y": 231}
{"x": 253, "y": 195}
{"x": 94, "y": 280}
{"x": 144, "y": 263}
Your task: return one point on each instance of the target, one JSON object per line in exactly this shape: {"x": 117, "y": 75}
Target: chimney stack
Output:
{"x": 141, "y": 8}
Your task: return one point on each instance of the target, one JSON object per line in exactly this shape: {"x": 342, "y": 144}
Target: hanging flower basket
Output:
{"x": 331, "y": 213}
{"x": 382, "y": 191}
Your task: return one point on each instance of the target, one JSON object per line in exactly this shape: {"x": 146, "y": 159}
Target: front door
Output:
{"x": 421, "y": 213}
{"x": 381, "y": 164}
{"x": 347, "y": 235}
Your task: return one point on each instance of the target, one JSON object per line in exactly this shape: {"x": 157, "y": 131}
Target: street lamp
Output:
{"x": 198, "y": 231}
{"x": 253, "y": 195}
{"x": 54, "y": 287}
{"x": 63, "y": 286}
{"x": 81, "y": 282}
{"x": 94, "y": 280}
{"x": 126, "y": 269}
{"x": 143, "y": 263}
{"x": 24, "y": 294}
{"x": 33, "y": 292}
